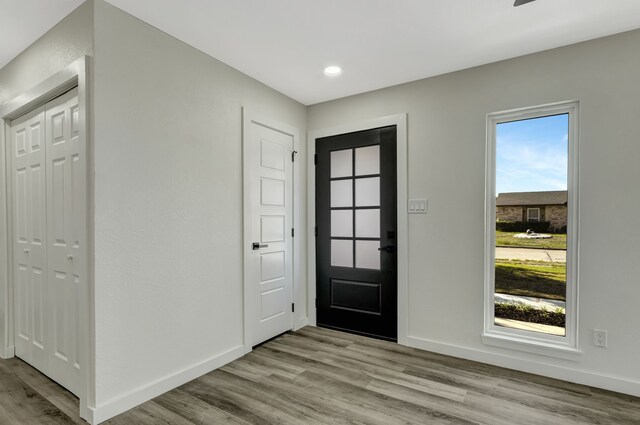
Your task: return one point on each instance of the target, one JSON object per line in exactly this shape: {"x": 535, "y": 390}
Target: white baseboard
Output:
{"x": 86, "y": 413}
{"x": 606, "y": 382}
{"x": 139, "y": 395}
{"x": 302, "y": 322}
{"x": 7, "y": 352}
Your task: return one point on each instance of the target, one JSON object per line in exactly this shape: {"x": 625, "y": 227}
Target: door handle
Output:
{"x": 389, "y": 248}
{"x": 257, "y": 245}
{"x": 26, "y": 250}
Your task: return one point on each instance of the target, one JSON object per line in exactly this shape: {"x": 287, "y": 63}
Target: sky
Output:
{"x": 531, "y": 155}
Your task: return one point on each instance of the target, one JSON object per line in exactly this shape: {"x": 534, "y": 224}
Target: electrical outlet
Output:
{"x": 600, "y": 338}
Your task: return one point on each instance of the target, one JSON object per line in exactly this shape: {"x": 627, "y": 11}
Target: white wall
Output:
{"x": 446, "y": 117}
{"x": 70, "y": 39}
{"x": 168, "y": 201}
{"x": 168, "y": 205}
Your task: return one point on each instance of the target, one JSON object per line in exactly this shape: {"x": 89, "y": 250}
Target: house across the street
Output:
{"x": 548, "y": 206}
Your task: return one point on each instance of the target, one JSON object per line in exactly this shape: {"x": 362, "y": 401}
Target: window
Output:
{"x": 533, "y": 214}
{"x": 530, "y": 298}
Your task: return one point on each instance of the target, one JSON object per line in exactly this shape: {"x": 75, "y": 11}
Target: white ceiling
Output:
{"x": 378, "y": 43}
{"x": 24, "y": 21}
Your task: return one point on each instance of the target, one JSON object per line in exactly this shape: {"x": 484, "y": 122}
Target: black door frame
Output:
{"x": 400, "y": 121}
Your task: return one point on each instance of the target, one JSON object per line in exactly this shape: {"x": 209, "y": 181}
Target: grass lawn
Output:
{"x": 531, "y": 279}
{"x": 557, "y": 241}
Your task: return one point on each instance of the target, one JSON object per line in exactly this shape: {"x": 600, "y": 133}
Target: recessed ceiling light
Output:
{"x": 332, "y": 71}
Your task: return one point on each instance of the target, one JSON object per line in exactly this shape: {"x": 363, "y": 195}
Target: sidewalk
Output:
{"x": 539, "y": 303}
{"x": 550, "y": 255}
{"x": 525, "y": 326}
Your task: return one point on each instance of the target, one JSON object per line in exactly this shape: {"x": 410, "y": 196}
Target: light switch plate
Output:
{"x": 418, "y": 206}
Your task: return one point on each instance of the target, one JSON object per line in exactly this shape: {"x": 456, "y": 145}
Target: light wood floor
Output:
{"x": 317, "y": 376}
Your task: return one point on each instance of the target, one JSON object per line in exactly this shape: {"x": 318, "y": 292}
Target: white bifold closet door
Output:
{"x": 47, "y": 195}
{"x": 29, "y": 238}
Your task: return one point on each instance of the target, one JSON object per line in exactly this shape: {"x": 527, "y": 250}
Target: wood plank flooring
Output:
{"x": 319, "y": 376}
{"x": 29, "y": 397}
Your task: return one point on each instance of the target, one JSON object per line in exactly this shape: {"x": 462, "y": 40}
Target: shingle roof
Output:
{"x": 557, "y": 197}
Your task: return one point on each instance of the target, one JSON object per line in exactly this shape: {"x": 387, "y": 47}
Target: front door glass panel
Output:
{"x": 355, "y": 203}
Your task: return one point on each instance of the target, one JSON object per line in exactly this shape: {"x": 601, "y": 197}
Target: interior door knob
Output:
{"x": 69, "y": 257}
{"x": 26, "y": 250}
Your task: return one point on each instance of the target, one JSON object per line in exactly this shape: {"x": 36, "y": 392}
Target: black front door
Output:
{"x": 356, "y": 218}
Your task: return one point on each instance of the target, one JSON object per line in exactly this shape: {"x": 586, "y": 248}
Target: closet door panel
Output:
{"x": 64, "y": 187}
{"x": 28, "y": 219}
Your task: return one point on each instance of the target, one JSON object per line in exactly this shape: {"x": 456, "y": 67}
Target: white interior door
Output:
{"x": 48, "y": 194}
{"x": 29, "y": 238}
{"x": 64, "y": 198}
{"x": 269, "y": 171}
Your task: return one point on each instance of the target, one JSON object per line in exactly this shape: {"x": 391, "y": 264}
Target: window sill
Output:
{"x": 532, "y": 346}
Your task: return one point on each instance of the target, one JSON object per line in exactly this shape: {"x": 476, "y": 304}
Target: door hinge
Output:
{"x": 293, "y": 156}
{"x": 315, "y": 231}
{"x": 315, "y": 159}
{"x": 292, "y": 233}
{"x": 293, "y": 308}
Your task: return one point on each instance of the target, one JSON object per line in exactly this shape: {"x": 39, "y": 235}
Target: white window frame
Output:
{"x": 529, "y": 214}
{"x": 533, "y": 342}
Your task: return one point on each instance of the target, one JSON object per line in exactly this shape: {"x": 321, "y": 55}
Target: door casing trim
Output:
{"x": 249, "y": 117}
{"x": 75, "y": 74}
{"x": 400, "y": 121}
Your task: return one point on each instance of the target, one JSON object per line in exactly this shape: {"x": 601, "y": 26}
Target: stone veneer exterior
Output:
{"x": 509, "y": 213}
{"x": 556, "y": 215}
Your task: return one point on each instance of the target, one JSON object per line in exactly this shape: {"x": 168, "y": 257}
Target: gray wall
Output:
{"x": 168, "y": 202}
{"x": 447, "y": 120}
{"x": 70, "y": 39}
